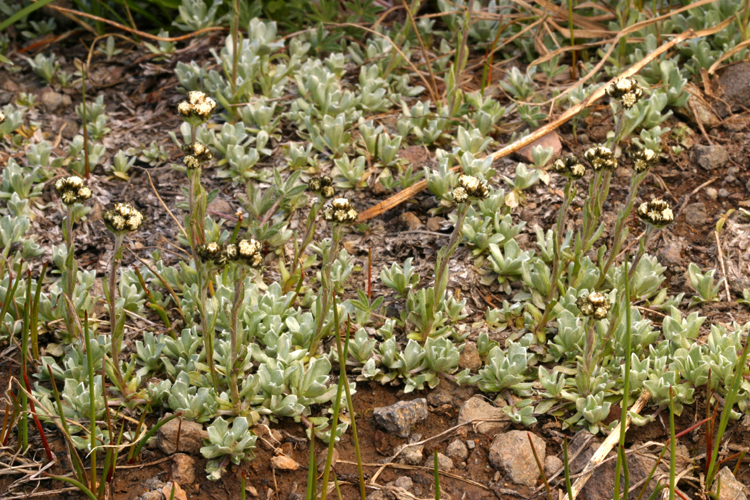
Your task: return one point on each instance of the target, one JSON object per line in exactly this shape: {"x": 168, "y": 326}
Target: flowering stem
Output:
{"x": 641, "y": 250}
{"x": 71, "y": 273}
{"x": 441, "y": 273}
{"x": 558, "y": 265}
{"x": 300, "y": 251}
{"x": 336, "y": 234}
{"x": 116, "y": 331}
{"x": 619, "y": 225}
{"x": 239, "y": 297}
{"x": 207, "y": 326}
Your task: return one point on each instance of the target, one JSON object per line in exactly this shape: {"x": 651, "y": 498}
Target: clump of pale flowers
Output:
{"x": 2, "y": 117}
{"x": 600, "y": 158}
{"x": 196, "y": 155}
{"x": 123, "y": 218}
{"x": 470, "y": 187}
{"x": 627, "y": 90}
{"x": 569, "y": 167}
{"x": 643, "y": 159}
{"x": 594, "y": 304}
{"x": 197, "y": 106}
{"x": 72, "y": 190}
{"x": 322, "y": 185}
{"x": 656, "y": 212}
{"x": 340, "y": 211}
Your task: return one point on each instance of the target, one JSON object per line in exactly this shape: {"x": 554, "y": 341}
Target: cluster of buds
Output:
{"x": 244, "y": 252}
{"x": 643, "y": 159}
{"x": 569, "y": 167}
{"x": 594, "y": 304}
{"x": 656, "y": 212}
{"x": 627, "y": 90}
{"x": 470, "y": 187}
{"x": 600, "y": 157}
{"x": 341, "y": 211}
{"x": 124, "y": 218}
{"x": 198, "y": 107}
{"x": 196, "y": 155}
{"x": 322, "y": 185}
{"x": 72, "y": 190}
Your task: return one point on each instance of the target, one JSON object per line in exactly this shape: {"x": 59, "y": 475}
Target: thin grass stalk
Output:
{"x": 35, "y": 312}
{"x": 336, "y": 235}
{"x": 710, "y": 423}
{"x": 573, "y": 69}
{"x": 14, "y": 416}
{"x": 38, "y": 424}
{"x": 566, "y": 469}
{"x": 626, "y": 387}
{"x": 5, "y": 428}
{"x": 150, "y": 433}
{"x": 626, "y": 474}
{"x": 12, "y": 286}
{"x": 672, "y": 446}
{"x": 87, "y": 168}
{"x": 729, "y": 402}
{"x": 538, "y": 465}
{"x": 336, "y": 486}
{"x": 350, "y": 405}
{"x": 74, "y": 457}
{"x": 108, "y": 454}
{"x": 336, "y": 409}
{"x": 739, "y": 462}
{"x": 114, "y": 322}
{"x": 236, "y": 44}
{"x": 92, "y": 398}
{"x": 82, "y": 487}
{"x": 426, "y": 56}
{"x": 23, "y": 427}
{"x": 242, "y": 486}
{"x": 436, "y": 472}
{"x": 312, "y": 470}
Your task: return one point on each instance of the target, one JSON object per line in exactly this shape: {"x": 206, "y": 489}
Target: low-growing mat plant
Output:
{"x": 258, "y": 315}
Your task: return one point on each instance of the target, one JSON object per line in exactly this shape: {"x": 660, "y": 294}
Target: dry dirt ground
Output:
{"x": 140, "y": 95}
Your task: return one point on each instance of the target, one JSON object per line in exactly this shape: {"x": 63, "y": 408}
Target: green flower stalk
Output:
{"x": 72, "y": 190}
{"x": 339, "y": 212}
{"x": 120, "y": 220}
{"x": 656, "y": 214}
{"x": 469, "y": 188}
{"x": 246, "y": 254}
{"x": 574, "y": 170}
{"x": 643, "y": 160}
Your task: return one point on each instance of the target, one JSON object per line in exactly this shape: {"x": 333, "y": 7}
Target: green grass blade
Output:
{"x": 23, "y": 13}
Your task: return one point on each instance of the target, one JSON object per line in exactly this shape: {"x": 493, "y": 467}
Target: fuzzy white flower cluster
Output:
{"x": 72, "y": 190}
{"x": 656, "y": 212}
{"x": 340, "y": 210}
{"x": 197, "y": 105}
{"x": 123, "y": 218}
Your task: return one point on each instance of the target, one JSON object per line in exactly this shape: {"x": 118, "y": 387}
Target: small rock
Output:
{"x": 737, "y": 123}
{"x": 444, "y": 463}
{"x": 439, "y": 397}
{"x": 179, "y": 493}
{"x": 220, "y": 206}
{"x": 551, "y": 140}
{"x": 5, "y": 97}
{"x": 183, "y": 469}
{"x": 410, "y": 221}
{"x": 404, "y": 482}
{"x": 512, "y": 453}
{"x": 379, "y": 495}
{"x": 52, "y": 101}
{"x": 731, "y": 489}
{"x": 191, "y": 437}
{"x": 477, "y": 408}
{"x": 552, "y": 464}
{"x": 267, "y": 438}
{"x": 695, "y": 214}
{"x": 671, "y": 255}
{"x": 413, "y": 455}
{"x": 734, "y": 84}
{"x": 282, "y": 462}
{"x": 698, "y": 110}
{"x": 712, "y": 193}
{"x": 251, "y": 490}
{"x": 70, "y": 130}
{"x": 152, "y": 495}
{"x": 711, "y": 157}
{"x": 10, "y": 85}
{"x": 399, "y": 418}
{"x": 470, "y": 357}
{"x": 457, "y": 451}
{"x": 433, "y": 223}
{"x": 470, "y": 444}
{"x": 723, "y": 193}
